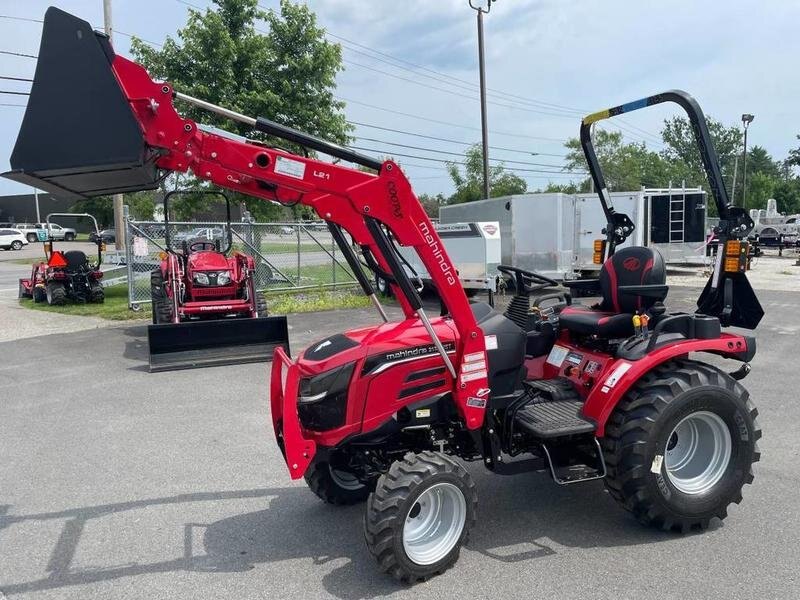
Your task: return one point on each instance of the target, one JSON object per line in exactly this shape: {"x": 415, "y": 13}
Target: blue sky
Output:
{"x": 548, "y": 60}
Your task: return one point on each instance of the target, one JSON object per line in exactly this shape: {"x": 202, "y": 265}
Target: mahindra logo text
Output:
{"x": 438, "y": 253}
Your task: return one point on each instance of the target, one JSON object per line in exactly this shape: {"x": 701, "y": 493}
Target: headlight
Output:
{"x": 223, "y": 278}
{"x": 201, "y": 278}
{"x": 322, "y": 401}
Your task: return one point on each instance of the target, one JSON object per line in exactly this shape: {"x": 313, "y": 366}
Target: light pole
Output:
{"x": 483, "y": 6}
{"x": 119, "y": 222}
{"x": 746, "y": 120}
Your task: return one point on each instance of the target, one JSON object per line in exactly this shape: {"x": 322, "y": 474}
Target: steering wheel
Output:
{"x": 199, "y": 246}
{"x": 527, "y": 281}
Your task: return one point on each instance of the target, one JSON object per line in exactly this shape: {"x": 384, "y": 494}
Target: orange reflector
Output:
{"x": 48, "y": 247}
{"x": 57, "y": 260}
{"x": 732, "y": 265}
{"x": 733, "y": 247}
{"x": 598, "y": 245}
{"x": 102, "y": 247}
{"x": 597, "y": 258}
{"x": 162, "y": 255}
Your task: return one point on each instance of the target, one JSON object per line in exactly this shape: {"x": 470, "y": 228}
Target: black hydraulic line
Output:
{"x": 309, "y": 141}
{"x": 389, "y": 254}
{"x": 351, "y": 258}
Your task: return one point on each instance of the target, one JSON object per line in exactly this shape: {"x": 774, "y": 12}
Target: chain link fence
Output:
{"x": 288, "y": 256}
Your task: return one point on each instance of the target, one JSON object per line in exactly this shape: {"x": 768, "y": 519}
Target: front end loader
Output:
{"x": 388, "y": 414}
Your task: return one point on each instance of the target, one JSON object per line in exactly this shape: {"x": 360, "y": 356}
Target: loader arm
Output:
{"x": 121, "y": 103}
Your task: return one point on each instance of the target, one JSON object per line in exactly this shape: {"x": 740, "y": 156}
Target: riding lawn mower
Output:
{"x": 387, "y": 414}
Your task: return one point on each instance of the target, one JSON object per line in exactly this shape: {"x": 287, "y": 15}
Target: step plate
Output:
{"x": 548, "y": 420}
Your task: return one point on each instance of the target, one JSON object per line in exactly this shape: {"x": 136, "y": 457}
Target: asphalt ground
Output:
{"x": 117, "y": 483}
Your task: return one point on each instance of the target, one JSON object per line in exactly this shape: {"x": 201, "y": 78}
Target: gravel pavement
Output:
{"x": 120, "y": 484}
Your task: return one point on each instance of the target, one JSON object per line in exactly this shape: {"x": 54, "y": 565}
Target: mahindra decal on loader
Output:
{"x": 584, "y": 392}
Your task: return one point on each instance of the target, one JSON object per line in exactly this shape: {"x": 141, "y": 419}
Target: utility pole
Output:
{"x": 483, "y": 6}
{"x": 746, "y": 120}
{"x": 36, "y": 200}
{"x": 119, "y": 220}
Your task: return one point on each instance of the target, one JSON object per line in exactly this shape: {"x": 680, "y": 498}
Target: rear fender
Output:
{"x": 297, "y": 451}
{"x": 621, "y": 375}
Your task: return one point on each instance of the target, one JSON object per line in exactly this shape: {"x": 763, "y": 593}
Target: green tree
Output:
{"x": 286, "y": 73}
{"x": 469, "y": 184}
{"x": 794, "y": 156}
{"x": 431, "y": 204}
{"x": 626, "y": 166}
{"x": 683, "y": 154}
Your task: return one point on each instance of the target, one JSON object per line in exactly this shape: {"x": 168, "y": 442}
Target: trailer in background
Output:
{"x": 473, "y": 248}
{"x": 554, "y": 233}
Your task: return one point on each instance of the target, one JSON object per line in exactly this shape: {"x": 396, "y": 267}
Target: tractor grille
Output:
{"x": 219, "y": 292}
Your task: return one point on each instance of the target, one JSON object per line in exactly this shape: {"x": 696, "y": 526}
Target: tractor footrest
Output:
{"x": 554, "y": 419}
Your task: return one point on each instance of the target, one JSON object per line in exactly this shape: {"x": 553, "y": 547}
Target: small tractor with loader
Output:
{"x": 206, "y": 309}
{"x": 388, "y": 414}
{"x": 64, "y": 276}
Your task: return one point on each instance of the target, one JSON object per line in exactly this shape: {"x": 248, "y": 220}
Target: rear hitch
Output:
{"x": 741, "y": 372}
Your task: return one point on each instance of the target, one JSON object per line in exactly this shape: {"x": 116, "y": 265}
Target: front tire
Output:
{"x": 420, "y": 515}
{"x": 16, "y": 245}
{"x": 261, "y": 305}
{"x": 161, "y": 302}
{"x": 69, "y": 237}
{"x": 39, "y": 294}
{"x": 97, "y": 294}
{"x": 335, "y": 486}
{"x": 32, "y": 238}
{"x": 680, "y": 446}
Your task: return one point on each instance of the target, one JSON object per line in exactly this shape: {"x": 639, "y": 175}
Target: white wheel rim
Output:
{"x": 345, "y": 480}
{"x": 434, "y": 523}
{"x": 698, "y": 452}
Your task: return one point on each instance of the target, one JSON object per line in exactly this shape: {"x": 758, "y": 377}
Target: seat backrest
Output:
{"x": 75, "y": 260}
{"x": 634, "y": 265}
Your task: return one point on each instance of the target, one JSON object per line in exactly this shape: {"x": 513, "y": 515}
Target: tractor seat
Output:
{"x": 613, "y": 316}
{"x": 76, "y": 260}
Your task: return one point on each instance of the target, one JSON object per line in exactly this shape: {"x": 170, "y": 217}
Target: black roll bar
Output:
{"x": 169, "y": 195}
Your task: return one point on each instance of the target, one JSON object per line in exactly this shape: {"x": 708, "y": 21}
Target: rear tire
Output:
{"x": 16, "y": 245}
{"x": 56, "y": 294}
{"x": 420, "y": 515}
{"x": 383, "y": 287}
{"x": 97, "y": 294}
{"x": 335, "y": 486}
{"x": 261, "y": 305}
{"x": 680, "y": 446}
{"x": 162, "y": 306}
{"x": 39, "y": 294}
{"x": 32, "y": 238}
{"x": 69, "y": 237}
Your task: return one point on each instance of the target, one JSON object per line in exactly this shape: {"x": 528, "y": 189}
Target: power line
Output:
{"x": 18, "y": 54}
{"x": 14, "y": 93}
{"x": 519, "y": 162}
{"x": 15, "y": 78}
{"x": 440, "y": 160}
{"x": 8, "y": 104}
{"x": 441, "y": 139}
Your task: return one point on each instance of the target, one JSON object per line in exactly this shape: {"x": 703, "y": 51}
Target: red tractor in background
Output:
{"x": 387, "y": 414}
{"x": 206, "y": 310}
{"x": 66, "y": 275}
{"x": 203, "y": 280}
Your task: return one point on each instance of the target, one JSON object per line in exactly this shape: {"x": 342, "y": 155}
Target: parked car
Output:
{"x": 109, "y": 236}
{"x": 59, "y": 233}
{"x": 200, "y": 233}
{"x": 12, "y": 239}
{"x": 31, "y": 231}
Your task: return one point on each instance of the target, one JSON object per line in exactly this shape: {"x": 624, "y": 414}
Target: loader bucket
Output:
{"x": 219, "y": 342}
{"x": 79, "y": 137}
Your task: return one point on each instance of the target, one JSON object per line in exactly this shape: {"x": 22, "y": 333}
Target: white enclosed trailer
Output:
{"x": 474, "y": 249}
{"x": 554, "y": 233}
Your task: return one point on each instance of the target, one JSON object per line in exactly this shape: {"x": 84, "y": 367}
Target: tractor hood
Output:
{"x": 208, "y": 261}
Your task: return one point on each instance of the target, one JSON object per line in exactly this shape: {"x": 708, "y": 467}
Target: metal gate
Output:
{"x": 288, "y": 256}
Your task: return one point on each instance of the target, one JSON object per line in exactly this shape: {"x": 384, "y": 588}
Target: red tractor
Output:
{"x": 203, "y": 280}
{"x": 388, "y": 414}
{"x": 65, "y": 276}
{"x": 206, "y": 310}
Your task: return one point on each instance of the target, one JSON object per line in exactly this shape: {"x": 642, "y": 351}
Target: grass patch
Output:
{"x": 315, "y": 300}
{"x": 24, "y": 261}
{"x": 115, "y": 307}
